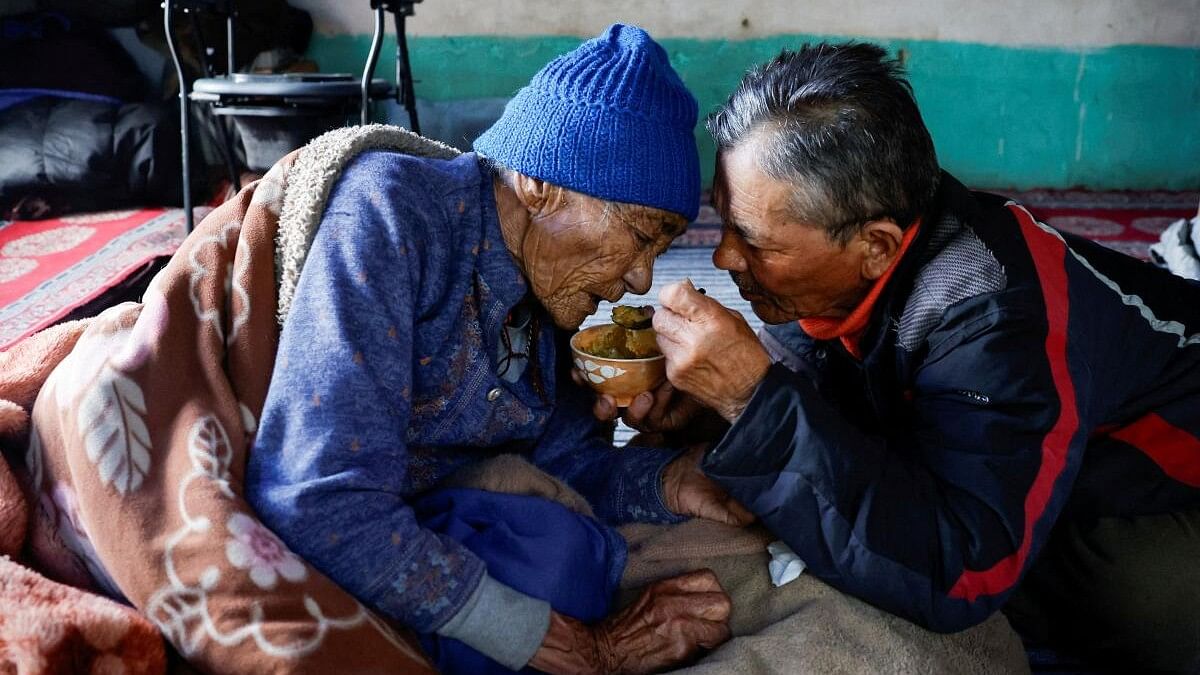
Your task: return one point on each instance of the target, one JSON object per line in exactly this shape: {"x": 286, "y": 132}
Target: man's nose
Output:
{"x": 727, "y": 256}
{"x": 639, "y": 278}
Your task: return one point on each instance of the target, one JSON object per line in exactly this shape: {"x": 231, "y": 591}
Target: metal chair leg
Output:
{"x": 183, "y": 115}
{"x": 369, "y": 68}
{"x": 209, "y": 70}
{"x": 229, "y": 66}
{"x": 405, "y": 94}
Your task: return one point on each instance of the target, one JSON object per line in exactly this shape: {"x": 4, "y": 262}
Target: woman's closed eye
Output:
{"x": 643, "y": 239}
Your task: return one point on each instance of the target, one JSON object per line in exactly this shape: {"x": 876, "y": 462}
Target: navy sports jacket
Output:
{"x": 1011, "y": 376}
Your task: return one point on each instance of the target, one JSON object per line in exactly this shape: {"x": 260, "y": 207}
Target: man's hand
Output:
{"x": 712, "y": 353}
{"x": 672, "y": 621}
{"x": 688, "y": 492}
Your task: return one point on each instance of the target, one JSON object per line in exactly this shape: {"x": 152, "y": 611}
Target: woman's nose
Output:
{"x": 639, "y": 278}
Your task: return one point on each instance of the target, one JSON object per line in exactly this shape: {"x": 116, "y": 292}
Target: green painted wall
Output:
{"x": 1121, "y": 117}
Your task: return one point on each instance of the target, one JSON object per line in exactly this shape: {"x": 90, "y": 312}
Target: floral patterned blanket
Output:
{"x": 138, "y": 445}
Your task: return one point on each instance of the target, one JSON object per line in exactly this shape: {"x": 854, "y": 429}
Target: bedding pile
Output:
{"x": 128, "y": 433}
{"x": 135, "y": 457}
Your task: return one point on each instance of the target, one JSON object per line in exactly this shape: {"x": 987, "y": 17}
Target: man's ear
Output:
{"x": 539, "y": 197}
{"x": 881, "y": 241}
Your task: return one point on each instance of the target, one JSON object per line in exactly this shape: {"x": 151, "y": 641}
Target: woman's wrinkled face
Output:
{"x": 587, "y": 249}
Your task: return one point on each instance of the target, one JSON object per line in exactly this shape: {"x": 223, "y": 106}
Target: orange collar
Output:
{"x": 851, "y": 327}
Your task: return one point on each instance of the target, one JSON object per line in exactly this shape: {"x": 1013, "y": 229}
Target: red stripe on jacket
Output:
{"x": 1049, "y": 258}
{"x": 1174, "y": 450}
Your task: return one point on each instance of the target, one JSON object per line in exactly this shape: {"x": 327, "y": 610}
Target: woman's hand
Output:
{"x": 668, "y": 626}
{"x": 665, "y": 410}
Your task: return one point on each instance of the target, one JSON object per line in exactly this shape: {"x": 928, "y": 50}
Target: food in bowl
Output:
{"x": 629, "y": 336}
{"x": 633, "y": 318}
{"x": 618, "y": 361}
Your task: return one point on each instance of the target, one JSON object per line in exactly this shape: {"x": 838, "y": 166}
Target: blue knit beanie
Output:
{"x": 610, "y": 119}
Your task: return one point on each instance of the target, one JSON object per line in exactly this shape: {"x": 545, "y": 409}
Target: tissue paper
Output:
{"x": 785, "y": 565}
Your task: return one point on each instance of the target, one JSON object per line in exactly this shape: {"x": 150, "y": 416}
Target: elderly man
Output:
{"x": 954, "y": 406}
{"x": 427, "y": 334}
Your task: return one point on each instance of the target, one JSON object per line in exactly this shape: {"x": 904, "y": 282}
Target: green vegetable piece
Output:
{"x": 633, "y": 318}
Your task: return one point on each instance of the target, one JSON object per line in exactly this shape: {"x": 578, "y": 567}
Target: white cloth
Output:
{"x": 785, "y": 565}
{"x": 1178, "y": 247}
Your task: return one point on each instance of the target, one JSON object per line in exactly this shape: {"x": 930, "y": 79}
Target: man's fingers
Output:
{"x": 650, "y": 407}
{"x": 737, "y": 316}
{"x": 639, "y": 407}
{"x": 671, "y": 296}
{"x": 683, "y": 298}
{"x": 664, "y": 398}
{"x": 668, "y": 323}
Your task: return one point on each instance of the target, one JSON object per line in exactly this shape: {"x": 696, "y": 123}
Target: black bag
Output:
{"x": 60, "y": 155}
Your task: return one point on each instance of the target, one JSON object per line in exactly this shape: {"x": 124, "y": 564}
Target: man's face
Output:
{"x": 587, "y": 250}
{"x": 786, "y": 269}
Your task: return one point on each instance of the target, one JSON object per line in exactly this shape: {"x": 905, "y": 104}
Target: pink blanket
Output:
{"x": 133, "y": 473}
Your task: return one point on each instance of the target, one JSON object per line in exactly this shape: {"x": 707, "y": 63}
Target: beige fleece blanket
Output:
{"x": 802, "y": 627}
{"x": 806, "y": 626}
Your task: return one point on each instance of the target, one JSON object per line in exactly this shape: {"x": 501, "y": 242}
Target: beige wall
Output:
{"x": 1002, "y": 22}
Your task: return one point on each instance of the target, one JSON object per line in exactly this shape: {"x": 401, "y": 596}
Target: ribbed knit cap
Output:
{"x": 610, "y": 119}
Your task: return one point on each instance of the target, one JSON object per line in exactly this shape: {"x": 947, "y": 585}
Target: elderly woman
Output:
{"x": 427, "y": 334}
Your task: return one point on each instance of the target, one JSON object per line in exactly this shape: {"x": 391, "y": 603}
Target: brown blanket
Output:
{"x": 137, "y": 453}
{"x": 47, "y": 627}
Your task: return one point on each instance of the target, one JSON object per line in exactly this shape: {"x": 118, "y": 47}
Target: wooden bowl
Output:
{"x": 623, "y": 379}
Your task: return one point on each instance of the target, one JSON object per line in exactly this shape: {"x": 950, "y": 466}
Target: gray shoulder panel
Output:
{"x": 963, "y": 268}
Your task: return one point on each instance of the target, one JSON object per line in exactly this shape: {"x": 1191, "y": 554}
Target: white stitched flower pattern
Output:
{"x": 256, "y": 548}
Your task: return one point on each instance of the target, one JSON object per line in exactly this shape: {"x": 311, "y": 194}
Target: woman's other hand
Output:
{"x": 669, "y": 625}
{"x": 688, "y": 492}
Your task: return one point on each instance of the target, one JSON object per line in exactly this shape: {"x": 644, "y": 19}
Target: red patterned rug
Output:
{"x": 50, "y": 268}
{"x": 1126, "y": 221}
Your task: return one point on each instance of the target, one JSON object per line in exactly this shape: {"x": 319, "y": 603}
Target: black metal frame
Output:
{"x": 403, "y": 88}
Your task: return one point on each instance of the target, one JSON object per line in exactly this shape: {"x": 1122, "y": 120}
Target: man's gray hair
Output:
{"x": 839, "y": 123}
